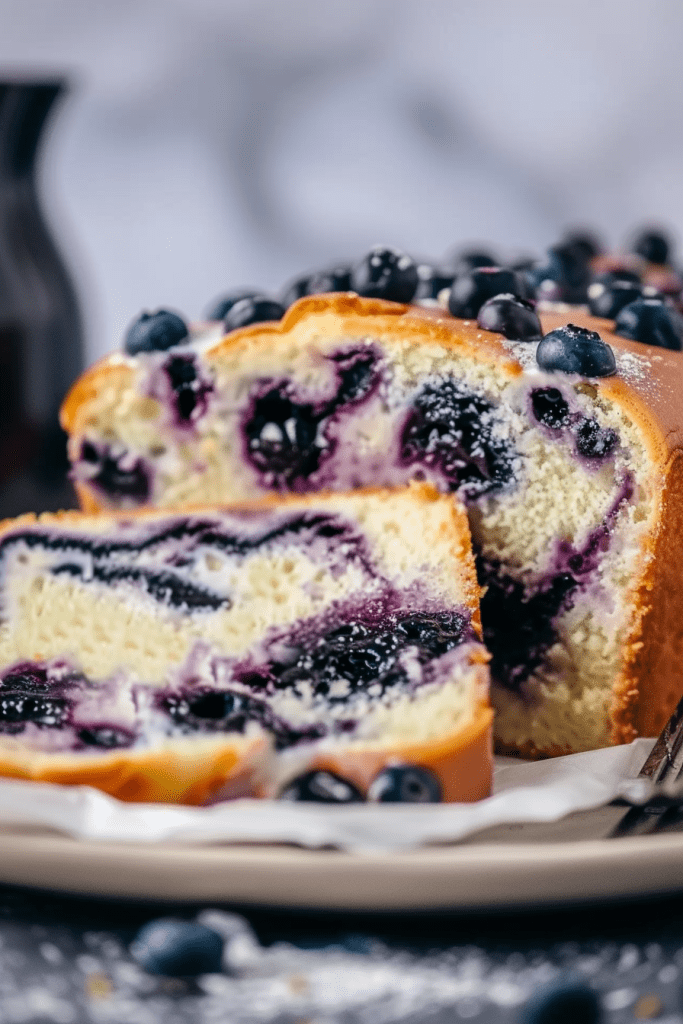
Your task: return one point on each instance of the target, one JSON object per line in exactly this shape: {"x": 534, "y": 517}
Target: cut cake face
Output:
{"x": 570, "y": 483}
{"x": 211, "y": 653}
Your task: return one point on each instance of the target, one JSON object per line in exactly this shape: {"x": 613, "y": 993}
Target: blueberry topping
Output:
{"x": 550, "y": 407}
{"x": 220, "y": 308}
{"x": 511, "y": 317}
{"x": 453, "y": 432}
{"x": 594, "y": 441}
{"x": 335, "y": 279}
{"x": 385, "y": 274}
{"x": 405, "y": 784}
{"x": 432, "y": 281}
{"x": 565, "y": 275}
{"x": 178, "y": 948}
{"x": 471, "y": 259}
{"x": 653, "y": 246}
{"x": 652, "y": 322}
{"x": 295, "y": 290}
{"x": 323, "y": 788}
{"x": 607, "y": 300}
{"x": 105, "y": 737}
{"x": 254, "y": 310}
{"x": 470, "y": 291}
{"x": 585, "y": 243}
{"x": 564, "y": 1001}
{"x": 155, "y": 332}
{"x": 572, "y": 349}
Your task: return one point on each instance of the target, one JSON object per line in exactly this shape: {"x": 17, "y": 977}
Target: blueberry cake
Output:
{"x": 564, "y": 442}
{"x": 187, "y": 657}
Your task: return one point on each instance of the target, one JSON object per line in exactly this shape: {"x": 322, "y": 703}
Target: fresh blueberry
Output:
{"x": 465, "y": 261}
{"x": 572, "y": 349}
{"x": 334, "y": 279}
{"x": 550, "y": 407}
{"x": 432, "y": 280}
{"x": 385, "y": 274}
{"x": 607, "y": 300}
{"x": 470, "y": 291}
{"x": 513, "y": 318}
{"x": 619, "y": 274}
{"x": 220, "y": 308}
{"x": 155, "y": 332}
{"x": 405, "y": 784}
{"x": 585, "y": 242}
{"x": 652, "y": 322}
{"x": 564, "y": 1001}
{"x": 322, "y": 788}
{"x": 178, "y": 948}
{"x": 254, "y": 310}
{"x": 565, "y": 275}
{"x": 653, "y": 246}
{"x": 295, "y": 290}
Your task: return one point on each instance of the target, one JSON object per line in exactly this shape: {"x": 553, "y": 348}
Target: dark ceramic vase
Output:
{"x": 41, "y": 346}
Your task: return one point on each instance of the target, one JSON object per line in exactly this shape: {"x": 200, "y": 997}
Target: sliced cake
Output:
{"x": 220, "y": 652}
{"x": 566, "y": 452}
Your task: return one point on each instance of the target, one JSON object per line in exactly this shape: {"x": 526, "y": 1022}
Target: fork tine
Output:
{"x": 666, "y": 757}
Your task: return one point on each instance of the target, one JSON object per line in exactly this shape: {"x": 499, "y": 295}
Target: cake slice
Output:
{"x": 572, "y": 480}
{"x": 187, "y": 657}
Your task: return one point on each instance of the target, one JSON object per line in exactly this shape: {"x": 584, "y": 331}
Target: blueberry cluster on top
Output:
{"x": 474, "y": 285}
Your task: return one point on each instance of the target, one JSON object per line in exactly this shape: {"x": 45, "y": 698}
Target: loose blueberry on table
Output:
{"x": 155, "y": 332}
{"x": 323, "y": 788}
{"x": 181, "y": 949}
{"x": 405, "y": 784}
{"x": 572, "y": 349}
{"x": 385, "y": 274}
{"x": 607, "y": 300}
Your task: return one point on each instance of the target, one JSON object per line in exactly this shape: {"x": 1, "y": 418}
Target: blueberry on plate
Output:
{"x": 322, "y": 788}
{"x": 254, "y": 310}
{"x": 472, "y": 290}
{"x": 155, "y": 332}
{"x": 653, "y": 246}
{"x": 572, "y": 349}
{"x": 651, "y": 321}
{"x": 512, "y": 317}
{"x": 606, "y": 300}
{"x": 220, "y": 308}
{"x": 180, "y": 949}
{"x": 405, "y": 784}
{"x": 385, "y": 274}
{"x": 566, "y": 1000}
{"x": 432, "y": 280}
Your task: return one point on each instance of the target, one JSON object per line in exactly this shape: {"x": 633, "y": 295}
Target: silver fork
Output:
{"x": 656, "y": 797}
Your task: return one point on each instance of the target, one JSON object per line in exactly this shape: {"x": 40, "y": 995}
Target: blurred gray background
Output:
{"x": 209, "y": 144}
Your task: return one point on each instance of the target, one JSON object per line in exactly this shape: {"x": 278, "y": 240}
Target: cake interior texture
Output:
{"x": 311, "y": 625}
{"x": 556, "y": 475}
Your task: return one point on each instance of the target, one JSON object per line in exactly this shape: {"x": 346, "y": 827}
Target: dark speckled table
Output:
{"x": 66, "y": 960}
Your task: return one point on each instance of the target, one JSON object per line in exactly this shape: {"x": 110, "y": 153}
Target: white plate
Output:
{"x": 509, "y": 866}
